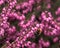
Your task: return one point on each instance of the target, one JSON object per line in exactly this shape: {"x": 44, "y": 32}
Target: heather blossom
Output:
{"x": 29, "y": 24}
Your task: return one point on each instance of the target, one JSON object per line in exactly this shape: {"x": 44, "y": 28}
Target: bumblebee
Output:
{"x": 39, "y": 31}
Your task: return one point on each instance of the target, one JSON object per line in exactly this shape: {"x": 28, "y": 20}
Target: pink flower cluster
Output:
{"x": 29, "y": 24}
